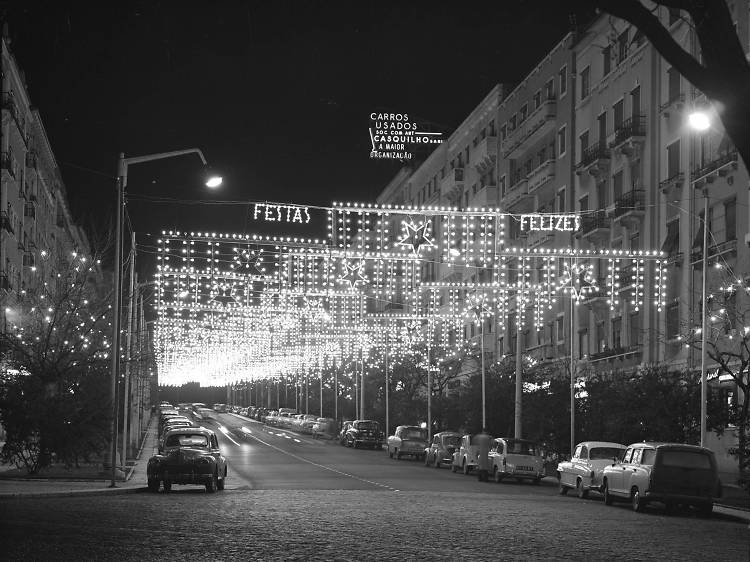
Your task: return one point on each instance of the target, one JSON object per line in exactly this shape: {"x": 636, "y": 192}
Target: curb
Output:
{"x": 73, "y": 493}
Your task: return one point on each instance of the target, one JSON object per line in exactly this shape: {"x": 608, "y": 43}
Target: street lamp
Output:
{"x": 478, "y": 308}
{"x": 699, "y": 122}
{"x": 212, "y": 180}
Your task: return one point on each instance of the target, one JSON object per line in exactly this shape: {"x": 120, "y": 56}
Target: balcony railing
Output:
{"x": 675, "y": 180}
{"x": 453, "y": 183}
{"x": 633, "y": 201}
{"x": 717, "y": 167}
{"x": 531, "y": 129}
{"x": 485, "y": 154}
{"x": 594, "y": 159}
{"x": 629, "y": 135}
{"x": 596, "y": 221}
{"x": 7, "y": 162}
{"x": 676, "y": 101}
{"x": 5, "y": 222}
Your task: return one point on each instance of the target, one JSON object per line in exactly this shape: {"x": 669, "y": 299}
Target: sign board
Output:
{"x": 394, "y": 136}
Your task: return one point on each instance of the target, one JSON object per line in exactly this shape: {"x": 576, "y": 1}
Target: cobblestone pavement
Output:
{"x": 354, "y": 525}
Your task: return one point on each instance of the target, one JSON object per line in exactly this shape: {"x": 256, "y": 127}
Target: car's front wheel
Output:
{"x": 213, "y": 484}
{"x": 636, "y": 500}
{"x": 221, "y": 481}
{"x": 580, "y": 490}
{"x": 607, "y": 496}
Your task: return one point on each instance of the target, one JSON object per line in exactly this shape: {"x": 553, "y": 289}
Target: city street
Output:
{"x": 294, "y": 498}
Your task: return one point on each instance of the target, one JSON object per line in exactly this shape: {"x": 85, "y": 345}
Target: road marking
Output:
{"x": 341, "y": 472}
{"x": 225, "y": 431}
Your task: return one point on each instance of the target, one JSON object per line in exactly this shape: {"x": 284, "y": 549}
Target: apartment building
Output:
{"x": 599, "y": 128}
{"x": 36, "y": 227}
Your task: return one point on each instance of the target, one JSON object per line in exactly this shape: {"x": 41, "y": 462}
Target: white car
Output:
{"x": 516, "y": 458}
{"x": 583, "y": 472}
{"x": 467, "y": 455}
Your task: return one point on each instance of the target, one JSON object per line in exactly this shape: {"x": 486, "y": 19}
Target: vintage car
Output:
{"x": 670, "y": 473}
{"x": 441, "y": 449}
{"x": 515, "y": 458}
{"x": 583, "y": 472}
{"x": 408, "y": 440}
{"x": 364, "y": 433}
{"x": 466, "y": 456}
{"x": 190, "y": 455}
{"x": 173, "y": 424}
{"x": 324, "y": 428}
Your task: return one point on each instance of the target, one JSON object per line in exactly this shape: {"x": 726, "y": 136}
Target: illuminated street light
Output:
{"x": 699, "y": 121}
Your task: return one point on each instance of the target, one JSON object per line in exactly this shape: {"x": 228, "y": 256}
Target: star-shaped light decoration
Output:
{"x": 411, "y": 331}
{"x": 354, "y": 274}
{"x": 578, "y": 280}
{"x": 416, "y": 236}
{"x": 245, "y": 259}
{"x": 476, "y": 304}
{"x": 223, "y": 293}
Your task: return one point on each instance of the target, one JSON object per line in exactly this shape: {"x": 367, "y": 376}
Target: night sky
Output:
{"x": 277, "y": 94}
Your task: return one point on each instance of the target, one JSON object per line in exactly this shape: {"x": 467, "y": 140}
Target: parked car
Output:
{"x": 345, "y": 426}
{"x": 670, "y": 473}
{"x": 408, "y": 440}
{"x": 466, "y": 456}
{"x": 364, "y": 433}
{"x": 583, "y": 472}
{"x": 515, "y": 458}
{"x": 324, "y": 428}
{"x": 441, "y": 449}
{"x": 306, "y": 423}
{"x": 191, "y": 455}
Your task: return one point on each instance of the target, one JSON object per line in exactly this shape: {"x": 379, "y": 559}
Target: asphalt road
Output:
{"x": 289, "y": 497}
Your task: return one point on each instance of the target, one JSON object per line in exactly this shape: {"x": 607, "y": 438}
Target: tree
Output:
{"x": 722, "y": 72}
{"x": 55, "y": 367}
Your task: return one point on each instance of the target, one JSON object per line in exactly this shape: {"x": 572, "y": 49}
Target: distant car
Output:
{"x": 583, "y": 472}
{"x": 466, "y": 456}
{"x": 364, "y": 433}
{"x": 220, "y": 408}
{"x": 190, "y": 456}
{"x": 516, "y": 458}
{"x": 408, "y": 440}
{"x": 324, "y": 428}
{"x": 442, "y": 448}
{"x": 670, "y": 473}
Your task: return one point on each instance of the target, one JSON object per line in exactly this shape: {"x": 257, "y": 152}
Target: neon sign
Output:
{"x": 394, "y": 135}
{"x": 562, "y": 223}
{"x": 281, "y": 213}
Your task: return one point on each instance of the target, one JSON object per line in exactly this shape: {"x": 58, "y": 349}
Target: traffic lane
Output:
{"x": 371, "y": 466}
{"x": 267, "y": 458}
{"x": 355, "y": 525}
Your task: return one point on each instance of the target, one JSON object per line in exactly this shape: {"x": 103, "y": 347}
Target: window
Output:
{"x": 537, "y": 99}
{"x": 602, "y": 121}
{"x": 560, "y": 201}
{"x": 512, "y": 123}
{"x": 616, "y": 332}
{"x": 584, "y": 141}
{"x": 618, "y": 112}
{"x": 561, "y": 141}
{"x": 583, "y": 204}
{"x": 560, "y": 329}
{"x": 601, "y": 194}
{"x": 635, "y": 241}
{"x": 502, "y": 186}
{"x": 635, "y": 329}
{"x": 601, "y": 337}
{"x": 583, "y": 343}
{"x": 523, "y": 113}
{"x": 673, "y": 85}
{"x": 635, "y": 102}
{"x": 549, "y": 90}
{"x": 673, "y": 159}
{"x": 730, "y": 219}
{"x": 617, "y": 185}
{"x": 606, "y": 60}
{"x": 673, "y": 320}
{"x": 585, "y": 82}
{"x": 563, "y": 75}
{"x": 492, "y": 128}
{"x": 622, "y": 46}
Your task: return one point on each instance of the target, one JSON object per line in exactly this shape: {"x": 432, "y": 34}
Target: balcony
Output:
{"x": 627, "y": 276}
{"x": 541, "y": 178}
{"x": 539, "y": 238}
{"x": 517, "y": 196}
{"x": 725, "y": 250}
{"x": 485, "y": 198}
{"x": 630, "y": 207}
{"x": 596, "y": 227}
{"x": 673, "y": 104}
{"x": 29, "y": 259}
{"x": 29, "y": 210}
{"x": 8, "y": 163}
{"x": 485, "y": 155}
{"x": 598, "y": 295}
{"x": 5, "y": 282}
{"x": 594, "y": 160}
{"x": 720, "y": 167}
{"x": 540, "y": 122}
{"x": 452, "y": 185}
{"x": 675, "y": 259}
{"x": 629, "y": 137}
{"x": 9, "y": 104}
{"x": 674, "y": 181}
{"x": 5, "y": 222}
{"x": 31, "y": 159}
{"x": 622, "y": 353}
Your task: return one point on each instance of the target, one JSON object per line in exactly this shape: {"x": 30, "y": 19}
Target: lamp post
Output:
{"x": 476, "y": 305}
{"x": 699, "y": 122}
{"x": 121, "y": 184}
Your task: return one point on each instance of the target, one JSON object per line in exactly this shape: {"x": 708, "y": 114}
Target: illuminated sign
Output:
{"x": 562, "y": 223}
{"x": 281, "y": 213}
{"x": 395, "y": 136}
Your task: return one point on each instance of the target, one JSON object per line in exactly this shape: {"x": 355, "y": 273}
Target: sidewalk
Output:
{"x": 135, "y": 479}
